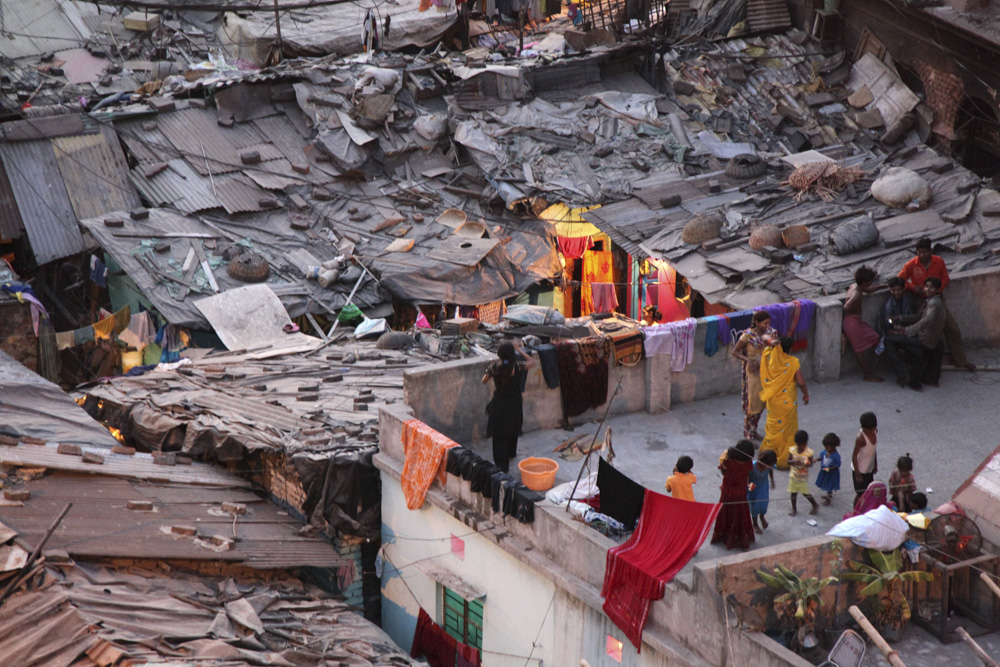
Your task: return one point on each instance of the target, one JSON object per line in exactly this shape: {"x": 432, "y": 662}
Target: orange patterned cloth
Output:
{"x": 425, "y": 458}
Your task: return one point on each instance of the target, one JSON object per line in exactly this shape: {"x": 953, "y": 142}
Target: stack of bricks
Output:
{"x": 279, "y": 478}
{"x": 944, "y": 96}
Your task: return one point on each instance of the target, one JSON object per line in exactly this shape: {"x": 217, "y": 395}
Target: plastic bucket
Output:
{"x": 538, "y": 474}
{"x": 130, "y": 360}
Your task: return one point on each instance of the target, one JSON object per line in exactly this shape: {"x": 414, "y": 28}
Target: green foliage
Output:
{"x": 801, "y": 596}
{"x": 884, "y": 583}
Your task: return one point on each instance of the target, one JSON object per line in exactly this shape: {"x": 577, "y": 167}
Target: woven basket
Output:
{"x": 701, "y": 228}
{"x": 765, "y": 235}
{"x": 795, "y": 235}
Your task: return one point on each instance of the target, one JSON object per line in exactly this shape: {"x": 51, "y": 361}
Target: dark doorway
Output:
{"x": 978, "y": 137}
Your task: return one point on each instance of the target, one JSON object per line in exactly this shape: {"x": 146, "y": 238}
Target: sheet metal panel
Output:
{"x": 139, "y": 466}
{"x": 11, "y": 225}
{"x": 49, "y": 219}
{"x": 100, "y": 526}
{"x": 146, "y": 146}
{"x": 205, "y": 145}
{"x": 35, "y": 27}
{"x": 178, "y": 186}
{"x": 238, "y": 195}
{"x": 95, "y": 173}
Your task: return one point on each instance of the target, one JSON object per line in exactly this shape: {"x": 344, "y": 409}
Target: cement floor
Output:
{"x": 948, "y": 432}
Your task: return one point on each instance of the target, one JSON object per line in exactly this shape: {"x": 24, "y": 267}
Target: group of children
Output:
{"x": 902, "y": 484}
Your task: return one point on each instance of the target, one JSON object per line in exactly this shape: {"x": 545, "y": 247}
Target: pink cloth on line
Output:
{"x": 861, "y": 336}
{"x": 669, "y": 534}
{"x": 605, "y": 298}
{"x": 574, "y": 248}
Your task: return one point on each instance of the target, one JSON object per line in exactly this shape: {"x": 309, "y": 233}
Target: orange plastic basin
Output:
{"x": 538, "y": 474}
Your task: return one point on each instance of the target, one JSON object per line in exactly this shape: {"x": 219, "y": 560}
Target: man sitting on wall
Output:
{"x": 923, "y": 341}
{"x": 914, "y": 273}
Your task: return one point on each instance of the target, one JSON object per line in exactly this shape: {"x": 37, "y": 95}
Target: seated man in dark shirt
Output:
{"x": 922, "y": 341}
{"x": 900, "y": 308}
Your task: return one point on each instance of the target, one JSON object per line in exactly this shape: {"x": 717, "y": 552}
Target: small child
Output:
{"x": 829, "y": 462}
{"x": 679, "y": 484}
{"x": 902, "y": 484}
{"x": 759, "y": 493}
{"x": 919, "y": 502}
{"x": 799, "y": 459}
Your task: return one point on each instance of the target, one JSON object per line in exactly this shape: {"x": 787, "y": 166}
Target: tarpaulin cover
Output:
{"x": 31, "y": 405}
{"x": 669, "y": 534}
{"x": 345, "y": 488}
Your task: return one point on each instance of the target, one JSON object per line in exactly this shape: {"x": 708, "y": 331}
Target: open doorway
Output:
{"x": 977, "y": 132}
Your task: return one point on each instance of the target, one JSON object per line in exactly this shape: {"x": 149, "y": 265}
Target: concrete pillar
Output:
{"x": 658, "y": 379}
{"x": 826, "y": 338}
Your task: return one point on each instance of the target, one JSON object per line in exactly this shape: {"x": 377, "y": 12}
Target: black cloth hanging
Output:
{"x": 548, "y": 358}
{"x": 621, "y": 498}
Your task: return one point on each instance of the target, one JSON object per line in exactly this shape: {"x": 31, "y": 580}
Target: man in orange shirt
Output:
{"x": 914, "y": 274}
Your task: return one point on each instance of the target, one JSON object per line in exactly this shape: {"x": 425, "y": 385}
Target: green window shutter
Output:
{"x": 463, "y": 620}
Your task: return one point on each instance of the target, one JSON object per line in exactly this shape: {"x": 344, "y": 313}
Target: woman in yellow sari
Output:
{"x": 779, "y": 374}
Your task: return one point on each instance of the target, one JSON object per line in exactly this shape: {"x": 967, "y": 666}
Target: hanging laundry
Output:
{"x": 629, "y": 348}
{"x": 711, "y": 335}
{"x": 583, "y": 373}
{"x": 140, "y": 331}
{"x": 64, "y": 340}
{"x": 574, "y": 248}
{"x": 24, "y": 293}
{"x": 83, "y": 335}
{"x": 683, "y": 353}
{"x": 172, "y": 339}
{"x": 621, "y": 498}
{"x": 669, "y": 534}
{"x": 98, "y": 272}
{"x": 432, "y": 642}
{"x": 659, "y": 339}
{"x": 604, "y": 296}
{"x": 735, "y": 323}
{"x": 548, "y": 359}
{"x": 800, "y": 329}
{"x": 598, "y": 267}
{"x": 104, "y": 329}
{"x": 425, "y": 458}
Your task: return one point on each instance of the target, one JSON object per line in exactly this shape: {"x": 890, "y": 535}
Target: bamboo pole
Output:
{"x": 989, "y": 582}
{"x": 976, "y": 648}
{"x": 876, "y": 638}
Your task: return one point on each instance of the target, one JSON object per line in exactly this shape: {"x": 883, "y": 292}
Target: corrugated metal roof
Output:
{"x": 11, "y": 225}
{"x": 205, "y": 145}
{"x": 622, "y": 222}
{"x": 765, "y": 15}
{"x": 178, "y": 186}
{"x": 39, "y": 26}
{"x": 100, "y": 526}
{"x": 238, "y": 194}
{"x": 138, "y": 466}
{"x": 95, "y": 173}
{"x": 145, "y": 145}
{"x": 41, "y": 196}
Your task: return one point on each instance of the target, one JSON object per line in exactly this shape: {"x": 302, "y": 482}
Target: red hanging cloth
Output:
{"x": 668, "y": 535}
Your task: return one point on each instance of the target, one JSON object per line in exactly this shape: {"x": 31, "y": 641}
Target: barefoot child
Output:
{"x": 902, "y": 484}
{"x": 799, "y": 460}
{"x": 864, "y": 460}
{"x": 829, "y": 462}
{"x": 759, "y": 493}
{"x": 679, "y": 484}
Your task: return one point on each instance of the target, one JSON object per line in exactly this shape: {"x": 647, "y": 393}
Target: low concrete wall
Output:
{"x": 451, "y": 397}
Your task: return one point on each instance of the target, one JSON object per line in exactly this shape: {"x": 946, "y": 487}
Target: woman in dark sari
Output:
{"x": 733, "y": 525}
{"x": 505, "y": 412}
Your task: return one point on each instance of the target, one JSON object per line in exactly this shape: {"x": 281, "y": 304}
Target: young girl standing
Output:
{"x": 759, "y": 494}
{"x": 799, "y": 459}
{"x": 902, "y": 484}
{"x": 829, "y": 467}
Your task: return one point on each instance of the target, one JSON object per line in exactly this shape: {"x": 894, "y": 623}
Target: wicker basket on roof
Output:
{"x": 701, "y": 228}
{"x": 765, "y": 235}
{"x": 795, "y": 235}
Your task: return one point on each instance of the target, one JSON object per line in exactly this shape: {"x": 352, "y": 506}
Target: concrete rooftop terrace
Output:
{"x": 947, "y": 431}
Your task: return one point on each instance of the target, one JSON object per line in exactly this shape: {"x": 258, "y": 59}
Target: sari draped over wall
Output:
{"x": 780, "y": 394}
